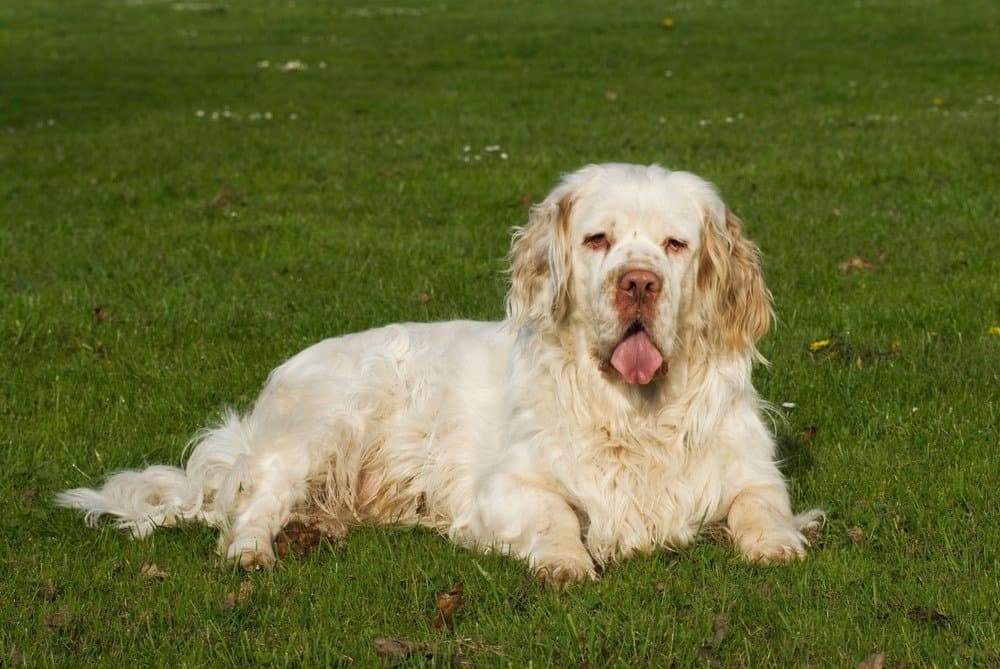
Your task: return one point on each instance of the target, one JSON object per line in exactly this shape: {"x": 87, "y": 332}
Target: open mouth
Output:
{"x": 636, "y": 358}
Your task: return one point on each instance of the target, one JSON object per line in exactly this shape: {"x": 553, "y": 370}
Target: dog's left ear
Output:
{"x": 730, "y": 278}
{"x": 540, "y": 263}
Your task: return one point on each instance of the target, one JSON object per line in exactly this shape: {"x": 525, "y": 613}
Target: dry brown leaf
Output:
{"x": 859, "y": 263}
{"x": 102, "y": 314}
{"x": 390, "y": 649}
{"x": 48, "y": 592}
{"x": 873, "y": 661}
{"x": 708, "y": 655}
{"x": 424, "y": 297}
{"x": 232, "y": 599}
{"x": 58, "y": 620}
{"x": 151, "y": 570}
{"x": 925, "y": 614}
{"x": 28, "y": 495}
{"x": 298, "y": 538}
{"x": 808, "y": 434}
{"x": 857, "y": 535}
{"x": 660, "y": 586}
{"x": 225, "y": 197}
{"x": 526, "y": 199}
{"x": 719, "y": 629}
{"x": 447, "y": 605}
{"x": 16, "y": 658}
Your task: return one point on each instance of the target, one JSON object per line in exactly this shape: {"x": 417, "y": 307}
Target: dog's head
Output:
{"x": 645, "y": 263}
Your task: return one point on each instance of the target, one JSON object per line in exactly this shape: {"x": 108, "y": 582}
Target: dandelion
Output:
{"x": 995, "y": 330}
{"x": 937, "y": 102}
{"x": 819, "y": 345}
{"x": 667, "y": 22}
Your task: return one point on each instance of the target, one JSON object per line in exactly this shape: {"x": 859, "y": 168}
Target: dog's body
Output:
{"x": 612, "y": 412}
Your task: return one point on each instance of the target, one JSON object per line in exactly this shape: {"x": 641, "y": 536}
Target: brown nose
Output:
{"x": 639, "y": 285}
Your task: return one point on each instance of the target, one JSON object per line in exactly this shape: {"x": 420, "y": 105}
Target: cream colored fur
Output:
{"x": 518, "y": 436}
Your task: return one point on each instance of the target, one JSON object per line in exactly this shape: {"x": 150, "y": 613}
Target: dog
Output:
{"x": 612, "y": 411}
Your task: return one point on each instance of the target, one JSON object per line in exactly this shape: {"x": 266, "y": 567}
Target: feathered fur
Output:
{"x": 521, "y": 436}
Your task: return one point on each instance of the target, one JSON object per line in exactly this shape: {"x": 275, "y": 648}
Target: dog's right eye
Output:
{"x": 597, "y": 242}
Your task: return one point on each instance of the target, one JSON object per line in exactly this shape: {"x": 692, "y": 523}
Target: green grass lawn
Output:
{"x": 179, "y": 215}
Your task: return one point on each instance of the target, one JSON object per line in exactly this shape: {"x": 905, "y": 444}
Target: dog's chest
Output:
{"x": 638, "y": 490}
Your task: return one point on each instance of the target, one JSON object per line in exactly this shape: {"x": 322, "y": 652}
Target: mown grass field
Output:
{"x": 190, "y": 193}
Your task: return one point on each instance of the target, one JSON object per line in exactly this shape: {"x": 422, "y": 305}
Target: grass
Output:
{"x": 222, "y": 215}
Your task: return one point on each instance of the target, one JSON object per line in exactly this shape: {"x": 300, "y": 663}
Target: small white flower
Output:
{"x": 293, "y": 117}
{"x": 200, "y": 113}
{"x": 466, "y": 148}
{"x": 789, "y": 405}
{"x": 668, "y": 73}
{"x": 263, "y": 64}
{"x": 492, "y": 148}
{"x": 267, "y": 116}
{"x": 503, "y": 156}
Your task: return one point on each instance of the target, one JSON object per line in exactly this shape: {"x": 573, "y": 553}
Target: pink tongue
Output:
{"x": 636, "y": 359}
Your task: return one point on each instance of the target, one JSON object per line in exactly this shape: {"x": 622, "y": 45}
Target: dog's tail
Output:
{"x": 140, "y": 501}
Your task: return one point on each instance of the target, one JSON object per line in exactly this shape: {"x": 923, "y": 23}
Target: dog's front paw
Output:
{"x": 563, "y": 572}
{"x": 251, "y": 550}
{"x": 773, "y": 544}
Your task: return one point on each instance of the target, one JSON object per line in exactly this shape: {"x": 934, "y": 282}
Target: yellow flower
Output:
{"x": 995, "y": 330}
{"x": 819, "y": 345}
{"x": 937, "y": 102}
{"x": 667, "y": 23}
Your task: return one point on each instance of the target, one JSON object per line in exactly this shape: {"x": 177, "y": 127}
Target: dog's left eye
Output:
{"x": 598, "y": 242}
{"x": 674, "y": 245}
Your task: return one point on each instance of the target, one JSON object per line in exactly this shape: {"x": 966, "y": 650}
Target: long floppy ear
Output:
{"x": 731, "y": 282}
{"x": 540, "y": 263}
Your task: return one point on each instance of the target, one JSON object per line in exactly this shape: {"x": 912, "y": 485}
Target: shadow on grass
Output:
{"x": 795, "y": 451}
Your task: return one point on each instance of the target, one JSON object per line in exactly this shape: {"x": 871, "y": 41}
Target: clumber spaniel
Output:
{"x": 611, "y": 412}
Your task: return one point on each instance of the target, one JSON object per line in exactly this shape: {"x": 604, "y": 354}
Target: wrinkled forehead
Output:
{"x": 657, "y": 206}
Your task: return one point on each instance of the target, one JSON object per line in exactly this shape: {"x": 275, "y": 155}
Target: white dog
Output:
{"x": 611, "y": 412}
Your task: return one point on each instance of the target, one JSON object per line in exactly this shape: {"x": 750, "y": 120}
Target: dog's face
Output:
{"x": 643, "y": 262}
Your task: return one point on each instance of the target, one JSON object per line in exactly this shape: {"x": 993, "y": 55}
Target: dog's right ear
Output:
{"x": 540, "y": 263}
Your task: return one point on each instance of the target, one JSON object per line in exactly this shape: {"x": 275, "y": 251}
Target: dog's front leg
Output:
{"x": 527, "y": 518}
{"x": 763, "y": 526}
